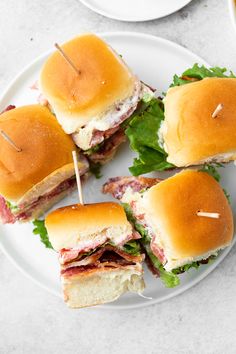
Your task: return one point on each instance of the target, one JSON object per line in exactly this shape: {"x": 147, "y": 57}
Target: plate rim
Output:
{"x": 136, "y": 34}
{"x": 151, "y": 302}
{"x": 129, "y": 19}
{"x": 110, "y": 306}
{"x": 232, "y": 11}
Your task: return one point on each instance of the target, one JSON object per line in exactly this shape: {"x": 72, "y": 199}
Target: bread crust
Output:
{"x": 191, "y": 135}
{"x": 75, "y": 225}
{"x": 45, "y": 149}
{"x": 172, "y": 211}
{"x": 104, "y": 80}
{"x": 101, "y": 286}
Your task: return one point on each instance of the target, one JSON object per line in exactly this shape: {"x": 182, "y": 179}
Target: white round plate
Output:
{"x": 232, "y": 10}
{"x": 135, "y": 10}
{"x": 155, "y": 61}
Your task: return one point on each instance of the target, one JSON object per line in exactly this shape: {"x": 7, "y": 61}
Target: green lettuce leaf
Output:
{"x": 143, "y": 126}
{"x": 128, "y": 212}
{"x": 186, "y": 267}
{"x": 93, "y": 149}
{"x": 200, "y": 72}
{"x": 227, "y": 195}
{"x": 132, "y": 247}
{"x": 12, "y": 207}
{"x": 142, "y": 132}
{"x": 195, "y": 265}
{"x": 95, "y": 169}
{"x": 169, "y": 279}
{"x": 132, "y": 219}
{"x": 142, "y": 106}
{"x": 211, "y": 169}
{"x": 149, "y": 160}
{"x": 41, "y": 230}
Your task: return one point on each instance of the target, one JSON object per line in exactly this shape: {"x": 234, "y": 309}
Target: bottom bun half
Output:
{"x": 100, "y": 286}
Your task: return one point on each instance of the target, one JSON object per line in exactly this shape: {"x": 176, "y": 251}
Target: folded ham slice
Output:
{"x": 23, "y": 213}
{"x": 6, "y": 215}
{"x": 118, "y": 185}
{"x": 99, "y": 254}
{"x": 70, "y": 255}
{"x": 109, "y": 148}
{"x": 104, "y": 267}
{"x": 8, "y": 108}
{"x": 107, "y": 256}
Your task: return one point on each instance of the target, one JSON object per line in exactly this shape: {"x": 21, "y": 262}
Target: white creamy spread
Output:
{"x": 111, "y": 118}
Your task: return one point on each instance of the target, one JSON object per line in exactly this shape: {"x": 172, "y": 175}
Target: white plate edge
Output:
{"x": 109, "y": 306}
{"x": 102, "y": 34}
{"x": 128, "y": 19}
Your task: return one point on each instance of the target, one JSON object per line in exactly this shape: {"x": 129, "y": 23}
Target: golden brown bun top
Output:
{"x": 76, "y": 225}
{"x": 104, "y": 78}
{"x": 173, "y": 205}
{"x": 45, "y": 148}
{"x": 191, "y": 134}
{"x": 83, "y": 216}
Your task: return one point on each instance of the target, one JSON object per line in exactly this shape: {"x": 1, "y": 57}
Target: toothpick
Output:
{"x": 208, "y": 215}
{"x": 75, "y": 159}
{"x": 10, "y": 141}
{"x": 65, "y": 56}
{"x": 217, "y": 110}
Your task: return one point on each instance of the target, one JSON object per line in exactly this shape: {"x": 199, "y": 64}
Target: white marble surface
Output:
{"x": 201, "y": 320}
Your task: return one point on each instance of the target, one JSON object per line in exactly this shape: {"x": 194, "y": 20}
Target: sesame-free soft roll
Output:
{"x": 99, "y": 256}
{"x": 42, "y": 172}
{"x": 200, "y": 121}
{"x": 184, "y": 220}
{"x": 92, "y": 102}
{"x": 193, "y": 124}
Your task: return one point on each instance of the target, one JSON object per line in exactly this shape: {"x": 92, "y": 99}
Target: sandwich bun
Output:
{"x": 171, "y": 211}
{"x": 103, "y": 82}
{"x": 79, "y": 225}
{"x": 191, "y": 135}
{"x": 45, "y": 159}
{"x": 97, "y": 287}
{"x": 40, "y": 209}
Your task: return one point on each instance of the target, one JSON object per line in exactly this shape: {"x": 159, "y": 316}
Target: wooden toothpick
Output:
{"x": 217, "y": 110}
{"x": 78, "y": 180}
{"x": 10, "y": 141}
{"x": 68, "y": 60}
{"x": 208, "y": 215}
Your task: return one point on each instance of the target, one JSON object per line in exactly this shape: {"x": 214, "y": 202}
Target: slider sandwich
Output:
{"x": 36, "y": 165}
{"x": 92, "y": 93}
{"x": 194, "y": 124}
{"x": 184, "y": 220}
{"x": 99, "y": 256}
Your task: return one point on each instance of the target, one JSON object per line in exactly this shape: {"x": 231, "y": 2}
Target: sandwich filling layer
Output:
{"x": 102, "y": 127}
{"x": 124, "y": 243}
{"x": 10, "y": 213}
{"x": 108, "y": 256}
